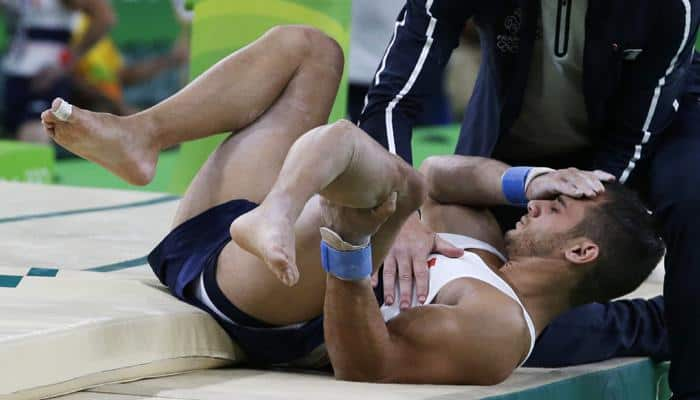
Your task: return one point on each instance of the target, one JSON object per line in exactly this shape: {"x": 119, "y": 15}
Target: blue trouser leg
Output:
{"x": 599, "y": 331}
{"x": 675, "y": 196}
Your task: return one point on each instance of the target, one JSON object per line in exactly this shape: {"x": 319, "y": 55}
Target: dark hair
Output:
{"x": 629, "y": 245}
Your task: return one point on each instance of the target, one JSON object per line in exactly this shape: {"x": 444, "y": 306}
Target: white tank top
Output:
{"x": 444, "y": 270}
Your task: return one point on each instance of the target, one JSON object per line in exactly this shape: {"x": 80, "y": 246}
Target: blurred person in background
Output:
{"x": 184, "y": 17}
{"x": 101, "y": 75}
{"x": 372, "y": 27}
{"x": 462, "y": 70}
{"x": 41, "y": 57}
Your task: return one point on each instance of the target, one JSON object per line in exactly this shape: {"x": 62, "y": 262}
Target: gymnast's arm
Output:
{"x": 468, "y": 342}
{"x": 464, "y": 180}
{"x": 476, "y": 181}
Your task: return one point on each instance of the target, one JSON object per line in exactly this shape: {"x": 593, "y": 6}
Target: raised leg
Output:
{"x": 346, "y": 167}
{"x": 230, "y": 96}
{"x": 341, "y": 163}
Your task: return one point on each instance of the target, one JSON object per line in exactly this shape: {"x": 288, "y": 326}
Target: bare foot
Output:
{"x": 270, "y": 236}
{"x": 105, "y": 139}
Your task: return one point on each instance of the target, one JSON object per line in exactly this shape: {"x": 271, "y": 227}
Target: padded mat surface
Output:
{"x": 80, "y": 309}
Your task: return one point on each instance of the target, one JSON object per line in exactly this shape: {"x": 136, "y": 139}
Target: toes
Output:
{"x": 282, "y": 267}
{"x": 291, "y": 276}
{"x": 62, "y": 110}
{"x": 49, "y": 129}
{"x": 47, "y": 117}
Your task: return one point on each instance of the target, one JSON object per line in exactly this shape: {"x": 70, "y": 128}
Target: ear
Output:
{"x": 582, "y": 251}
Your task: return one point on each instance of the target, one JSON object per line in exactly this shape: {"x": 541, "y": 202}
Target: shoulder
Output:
{"x": 501, "y": 324}
{"x": 497, "y": 331}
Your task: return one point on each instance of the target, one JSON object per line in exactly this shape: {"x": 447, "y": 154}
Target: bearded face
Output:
{"x": 546, "y": 227}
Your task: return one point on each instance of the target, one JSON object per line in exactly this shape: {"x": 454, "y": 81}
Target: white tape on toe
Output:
{"x": 64, "y": 111}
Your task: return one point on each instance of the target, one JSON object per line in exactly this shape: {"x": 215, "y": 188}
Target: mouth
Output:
{"x": 522, "y": 222}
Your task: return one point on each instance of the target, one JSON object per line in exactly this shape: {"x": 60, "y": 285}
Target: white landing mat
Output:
{"x": 79, "y": 306}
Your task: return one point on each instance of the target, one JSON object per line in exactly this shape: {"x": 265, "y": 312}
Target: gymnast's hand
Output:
{"x": 409, "y": 257}
{"x": 570, "y": 182}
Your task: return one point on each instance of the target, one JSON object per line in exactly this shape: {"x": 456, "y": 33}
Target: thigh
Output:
{"x": 673, "y": 175}
{"x": 674, "y": 192}
{"x": 247, "y": 163}
{"x": 675, "y": 196}
{"x": 251, "y": 286}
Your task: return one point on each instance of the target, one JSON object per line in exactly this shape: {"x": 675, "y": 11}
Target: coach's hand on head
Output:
{"x": 409, "y": 258}
{"x": 571, "y": 182}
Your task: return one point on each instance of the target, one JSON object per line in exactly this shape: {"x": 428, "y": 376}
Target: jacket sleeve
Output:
{"x": 650, "y": 90}
{"x": 425, "y": 34}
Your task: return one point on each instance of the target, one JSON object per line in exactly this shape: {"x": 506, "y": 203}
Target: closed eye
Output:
{"x": 560, "y": 200}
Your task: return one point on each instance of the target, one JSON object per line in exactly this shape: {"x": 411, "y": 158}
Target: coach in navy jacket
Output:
{"x": 639, "y": 102}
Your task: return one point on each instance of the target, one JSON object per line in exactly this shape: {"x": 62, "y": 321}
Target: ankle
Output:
{"x": 147, "y": 128}
{"x": 283, "y": 204}
{"x": 413, "y": 191}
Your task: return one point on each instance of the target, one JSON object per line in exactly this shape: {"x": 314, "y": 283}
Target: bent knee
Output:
{"x": 343, "y": 126}
{"x": 310, "y": 43}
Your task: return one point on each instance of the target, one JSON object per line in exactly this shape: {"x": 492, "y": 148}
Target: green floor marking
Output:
{"x": 46, "y": 272}
{"x": 9, "y": 281}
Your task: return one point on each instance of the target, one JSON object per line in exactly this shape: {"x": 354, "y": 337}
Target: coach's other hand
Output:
{"x": 409, "y": 258}
{"x": 570, "y": 182}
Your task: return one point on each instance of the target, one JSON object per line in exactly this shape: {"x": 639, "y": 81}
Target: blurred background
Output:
{"x": 122, "y": 56}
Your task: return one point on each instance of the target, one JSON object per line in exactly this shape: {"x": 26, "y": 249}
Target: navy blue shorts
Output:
{"x": 192, "y": 249}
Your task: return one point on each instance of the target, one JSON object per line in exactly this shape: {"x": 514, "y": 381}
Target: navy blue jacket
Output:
{"x": 631, "y": 96}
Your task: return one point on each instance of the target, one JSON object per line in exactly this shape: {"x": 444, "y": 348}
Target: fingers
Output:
{"x": 420, "y": 272}
{"x": 563, "y": 186}
{"x": 582, "y": 185}
{"x": 593, "y": 182}
{"x": 446, "y": 248}
{"x": 571, "y": 182}
{"x": 405, "y": 271}
{"x": 577, "y": 183}
{"x": 375, "y": 279}
{"x": 389, "y": 275}
{"x": 604, "y": 176}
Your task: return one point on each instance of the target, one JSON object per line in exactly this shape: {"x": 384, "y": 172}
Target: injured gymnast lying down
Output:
{"x": 279, "y": 232}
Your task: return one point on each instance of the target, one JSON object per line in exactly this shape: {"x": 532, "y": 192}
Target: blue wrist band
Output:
{"x": 347, "y": 265}
{"x": 513, "y": 185}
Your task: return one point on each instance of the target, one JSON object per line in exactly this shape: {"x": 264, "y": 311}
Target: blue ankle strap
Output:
{"x": 347, "y": 265}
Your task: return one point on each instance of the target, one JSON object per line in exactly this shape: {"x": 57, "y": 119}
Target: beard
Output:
{"x": 530, "y": 244}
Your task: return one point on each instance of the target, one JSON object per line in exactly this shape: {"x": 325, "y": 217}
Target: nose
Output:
{"x": 535, "y": 208}
{"x": 532, "y": 209}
